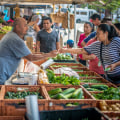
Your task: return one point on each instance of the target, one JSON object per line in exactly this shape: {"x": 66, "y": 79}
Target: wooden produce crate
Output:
{"x": 1, "y": 36}
{"x": 115, "y": 115}
{"x": 60, "y": 104}
{"x": 1, "y": 87}
{"x": 17, "y": 107}
{"x": 97, "y": 80}
{"x": 108, "y": 84}
{"x": 12, "y": 118}
{"x": 69, "y": 64}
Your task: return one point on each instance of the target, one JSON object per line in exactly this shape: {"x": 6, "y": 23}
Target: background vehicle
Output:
{"x": 83, "y": 15}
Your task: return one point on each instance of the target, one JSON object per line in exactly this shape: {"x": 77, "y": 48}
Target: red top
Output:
{"x": 82, "y": 37}
{"x": 93, "y": 64}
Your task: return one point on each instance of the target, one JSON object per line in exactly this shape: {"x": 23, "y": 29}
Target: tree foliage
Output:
{"x": 111, "y": 5}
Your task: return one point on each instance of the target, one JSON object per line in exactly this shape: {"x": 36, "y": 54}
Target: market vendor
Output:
{"x": 13, "y": 48}
{"x": 107, "y": 49}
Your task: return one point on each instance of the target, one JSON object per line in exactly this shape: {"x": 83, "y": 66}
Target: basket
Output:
{"x": 17, "y": 107}
{"x": 108, "y": 84}
{"x": 60, "y": 104}
{"x": 99, "y": 80}
{"x": 1, "y": 87}
{"x": 77, "y": 114}
{"x": 12, "y": 118}
{"x": 70, "y": 64}
{"x": 111, "y": 114}
{"x": 1, "y": 35}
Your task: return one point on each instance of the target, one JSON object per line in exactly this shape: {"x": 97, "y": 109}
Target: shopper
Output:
{"x": 47, "y": 39}
{"x": 13, "y": 48}
{"x": 96, "y": 20}
{"x": 107, "y": 49}
{"x": 93, "y": 61}
{"x": 88, "y": 28}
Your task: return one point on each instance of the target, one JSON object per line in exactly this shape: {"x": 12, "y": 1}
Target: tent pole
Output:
{"x": 68, "y": 22}
{"x": 75, "y": 44}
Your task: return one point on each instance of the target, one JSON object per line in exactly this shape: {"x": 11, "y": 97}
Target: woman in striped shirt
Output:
{"x": 107, "y": 49}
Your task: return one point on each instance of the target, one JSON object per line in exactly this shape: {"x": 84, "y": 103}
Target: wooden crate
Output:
{"x": 12, "y": 118}
{"x": 17, "y": 107}
{"x": 60, "y": 104}
{"x": 1, "y": 36}
{"x": 108, "y": 84}
{"x": 70, "y": 64}
{"x": 112, "y": 114}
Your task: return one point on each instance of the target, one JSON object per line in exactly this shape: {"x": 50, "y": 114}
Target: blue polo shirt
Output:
{"x": 12, "y": 49}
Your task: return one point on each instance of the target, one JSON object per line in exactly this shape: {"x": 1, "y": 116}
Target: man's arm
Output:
{"x": 37, "y": 46}
{"x": 38, "y": 57}
{"x": 57, "y": 45}
{"x": 73, "y": 51}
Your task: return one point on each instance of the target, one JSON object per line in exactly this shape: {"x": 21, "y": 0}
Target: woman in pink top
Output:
{"x": 88, "y": 28}
{"x": 93, "y": 61}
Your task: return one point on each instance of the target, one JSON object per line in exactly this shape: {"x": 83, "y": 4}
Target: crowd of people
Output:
{"x": 100, "y": 47}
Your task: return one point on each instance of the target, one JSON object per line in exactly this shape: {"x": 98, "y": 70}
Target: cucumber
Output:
{"x": 76, "y": 93}
{"x": 55, "y": 91}
{"x": 100, "y": 87}
{"x": 59, "y": 96}
{"x": 68, "y": 95}
{"x": 86, "y": 86}
{"x": 80, "y": 94}
{"x": 67, "y": 91}
{"x": 92, "y": 89}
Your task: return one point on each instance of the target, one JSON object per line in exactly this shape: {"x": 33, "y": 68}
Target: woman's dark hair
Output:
{"x": 110, "y": 29}
{"x": 91, "y": 25}
{"x": 117, "y": 25}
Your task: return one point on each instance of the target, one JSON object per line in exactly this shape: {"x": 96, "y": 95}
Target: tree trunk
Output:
{"x": 108, "y": 13}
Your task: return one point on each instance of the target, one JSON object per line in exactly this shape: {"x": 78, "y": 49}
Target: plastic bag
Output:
{"x": 67, "y": 71}
{"x": 43, "y": 79}
{"x": 31, "y": 67}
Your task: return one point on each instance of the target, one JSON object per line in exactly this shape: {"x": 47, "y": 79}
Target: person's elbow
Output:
{"x": 29, "y": 57}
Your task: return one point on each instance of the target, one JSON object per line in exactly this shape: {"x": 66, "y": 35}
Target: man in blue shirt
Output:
{"x": 13, "y": 48}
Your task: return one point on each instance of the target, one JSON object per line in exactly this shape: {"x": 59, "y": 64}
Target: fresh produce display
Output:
{"x": 70, "y": 93}
{"x": 109, "y": 94}
{"x": 86, "y": 75}
{"x": 90, "y": 80}
{"x": 5, "y": 29}
{"x": 62, "y": 57}
{"x": 21, "y": 95}
{"x": 109, "y": 107}
{"x": 62, "y": 79}
{"x": 98, "y": 87}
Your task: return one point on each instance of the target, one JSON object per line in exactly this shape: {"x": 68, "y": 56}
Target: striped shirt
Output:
{"x": 110, "y": 53}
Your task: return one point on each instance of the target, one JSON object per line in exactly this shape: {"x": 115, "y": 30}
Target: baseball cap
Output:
{"x": 70, "y": 43}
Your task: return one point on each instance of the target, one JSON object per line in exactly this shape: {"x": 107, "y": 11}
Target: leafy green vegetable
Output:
{"x": 90, "y": 81}
{"x": 62, "y": 57}
{"x": 62, "y": 79}
{"x": 21, "y": 95}
{"x": 109, "y": 94}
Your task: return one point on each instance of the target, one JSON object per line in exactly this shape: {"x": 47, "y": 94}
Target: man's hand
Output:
{"x": 53, "y": 53}
{"x": 61, "y": 50}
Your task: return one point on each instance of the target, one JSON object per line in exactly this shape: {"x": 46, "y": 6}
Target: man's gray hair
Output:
{"x": 34, "y": 18}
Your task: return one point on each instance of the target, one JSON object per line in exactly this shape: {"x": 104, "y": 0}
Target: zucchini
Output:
{"x": 86, "y": 86}
{"x": 80, "y": 94}
{"x": 67, "y": 91}
{"x": 100, "y": 87}
{"x": 76, "y": 93}
{"x": 59, "y": 96}
{"x": 55, "y": 91}
{"x": 68, "y": 95}
{"x": 92, "y": 89}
